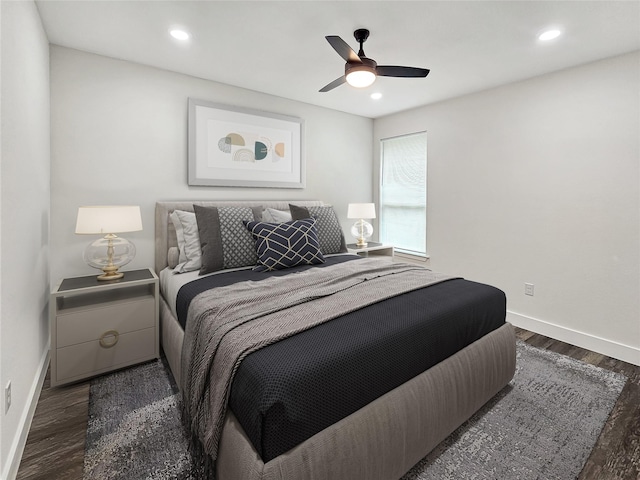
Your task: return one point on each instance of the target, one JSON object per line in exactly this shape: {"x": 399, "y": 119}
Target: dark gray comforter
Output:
{"x": 288, "y": 391}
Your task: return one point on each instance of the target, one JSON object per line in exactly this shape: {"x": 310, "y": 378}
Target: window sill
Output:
{"x": 413, "y": 257}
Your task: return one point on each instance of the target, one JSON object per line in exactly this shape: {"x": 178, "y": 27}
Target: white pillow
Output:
{"x": 188, "y": 241}
{"x": 271, "y": 215}
{"x": 177, "y": 224}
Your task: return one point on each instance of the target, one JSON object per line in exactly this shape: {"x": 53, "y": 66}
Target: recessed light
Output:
{"x": 376, "y": 96}
{"x": 179, "y": 34}
{"x": 549, "y": 35}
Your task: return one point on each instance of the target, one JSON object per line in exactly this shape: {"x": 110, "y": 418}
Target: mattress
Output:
{"x": 171, "y": 283}
{"x": 288, "y": 391}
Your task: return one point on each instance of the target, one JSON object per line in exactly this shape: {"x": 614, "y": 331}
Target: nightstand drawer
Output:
{"x": 92, "y": 358}
{"x": 87, "y": 324}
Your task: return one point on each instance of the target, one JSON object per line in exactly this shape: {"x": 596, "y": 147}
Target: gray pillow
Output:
{"x": 330, "y": 233}
{"x": 225, "y": 241}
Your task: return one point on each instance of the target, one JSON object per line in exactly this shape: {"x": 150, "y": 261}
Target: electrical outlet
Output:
{"x": 7, "y": 397}
{"x": 528, "y": 289}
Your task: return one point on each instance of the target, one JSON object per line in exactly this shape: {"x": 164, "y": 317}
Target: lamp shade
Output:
{"x": 361, "y": 210}
{"x": 108, "y": 219}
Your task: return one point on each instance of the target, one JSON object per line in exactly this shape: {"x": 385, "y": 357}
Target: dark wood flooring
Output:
{"x": 55, "y": 446}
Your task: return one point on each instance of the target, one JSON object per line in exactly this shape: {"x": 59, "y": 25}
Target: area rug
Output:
{"x": 543, "y": 424}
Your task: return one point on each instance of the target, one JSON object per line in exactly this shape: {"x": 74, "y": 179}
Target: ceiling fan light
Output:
{"x": 361, "y": 76}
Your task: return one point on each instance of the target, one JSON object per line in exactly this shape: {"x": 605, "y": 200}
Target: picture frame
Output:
{"x": 241, "y": 147}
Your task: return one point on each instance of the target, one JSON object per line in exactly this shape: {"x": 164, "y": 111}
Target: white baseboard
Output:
{"x": 20, "y": 440}
{"x": 606, "y": 347}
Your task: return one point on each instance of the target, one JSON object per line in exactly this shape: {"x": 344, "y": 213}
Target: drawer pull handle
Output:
{"x": 108, "y": 344}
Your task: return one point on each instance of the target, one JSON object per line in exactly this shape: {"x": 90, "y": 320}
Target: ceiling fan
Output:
{"x": 360, "y": 71}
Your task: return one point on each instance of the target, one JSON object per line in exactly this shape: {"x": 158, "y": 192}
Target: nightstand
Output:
{"x": 99, "y": 326}
{"x": 372, "y": 249}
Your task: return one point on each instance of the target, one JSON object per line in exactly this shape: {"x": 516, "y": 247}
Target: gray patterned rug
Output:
{"x": 543, "y": 424}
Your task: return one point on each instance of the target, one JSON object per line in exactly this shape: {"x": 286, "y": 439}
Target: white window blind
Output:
{"x": 403, "y": 193}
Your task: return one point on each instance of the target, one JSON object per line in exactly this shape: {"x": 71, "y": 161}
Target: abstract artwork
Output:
{"x": 239, "y": 147}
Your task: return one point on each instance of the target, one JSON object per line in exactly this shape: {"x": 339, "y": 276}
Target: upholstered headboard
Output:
{"x": 166, "y": 233}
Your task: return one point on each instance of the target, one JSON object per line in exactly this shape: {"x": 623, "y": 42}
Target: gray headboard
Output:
{"x": 166, "y": 234}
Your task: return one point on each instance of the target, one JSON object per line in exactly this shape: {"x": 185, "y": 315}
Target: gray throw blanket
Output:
{"x": 226, "y": 324}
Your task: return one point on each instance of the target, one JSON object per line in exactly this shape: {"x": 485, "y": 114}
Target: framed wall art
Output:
{"x": 240, "y": 147}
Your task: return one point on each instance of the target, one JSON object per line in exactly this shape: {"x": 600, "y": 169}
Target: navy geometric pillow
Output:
{"x": 285, "y": 245}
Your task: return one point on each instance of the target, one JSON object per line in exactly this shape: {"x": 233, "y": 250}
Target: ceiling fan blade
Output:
{"x": 336, "y": 83}
{"x": 343, "y": 49}
{"x": 395, "y": 71}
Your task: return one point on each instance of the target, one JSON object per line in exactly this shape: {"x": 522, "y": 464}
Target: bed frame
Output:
{"x": 382, "y": 440}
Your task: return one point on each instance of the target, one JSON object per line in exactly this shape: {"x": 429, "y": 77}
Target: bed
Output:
{"x": 390, "y": 433}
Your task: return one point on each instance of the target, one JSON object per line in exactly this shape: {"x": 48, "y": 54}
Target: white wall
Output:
{"x": 538, "y": 182}
{"x": 119, "y": 136}
{"x": 24, "y": 204}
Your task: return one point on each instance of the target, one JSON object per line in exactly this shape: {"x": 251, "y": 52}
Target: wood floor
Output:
{"x": 55, "y": 446}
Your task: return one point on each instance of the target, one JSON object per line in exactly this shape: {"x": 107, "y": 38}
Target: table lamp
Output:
{"x": 110, "y": 252}
{"x": 361, "y": 230}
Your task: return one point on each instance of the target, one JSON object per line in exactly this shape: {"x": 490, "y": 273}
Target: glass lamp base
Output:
{"x": 362, "y": 231}
{"x": 110, "y": 274}
{"x": 109, "y": 254}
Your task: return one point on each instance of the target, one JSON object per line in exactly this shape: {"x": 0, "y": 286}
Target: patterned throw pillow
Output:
{"x": 225, "y": 241}
{"x": 329, "y": 230}
{"x": 285, "y": 245}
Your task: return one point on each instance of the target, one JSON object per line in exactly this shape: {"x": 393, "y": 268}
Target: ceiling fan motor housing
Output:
{"x": 367, "y": 64}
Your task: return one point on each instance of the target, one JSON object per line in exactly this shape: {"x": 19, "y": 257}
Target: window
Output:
{"x": 403, "y": 193}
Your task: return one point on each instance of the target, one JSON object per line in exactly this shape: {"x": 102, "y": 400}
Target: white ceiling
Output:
{"x": 279, "y": 47}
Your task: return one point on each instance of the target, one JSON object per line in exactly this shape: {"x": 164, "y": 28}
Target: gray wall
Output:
{"x": 119, "y": 136}
{"x": 24, "y": 231}
{"x": 537, "y": 182}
